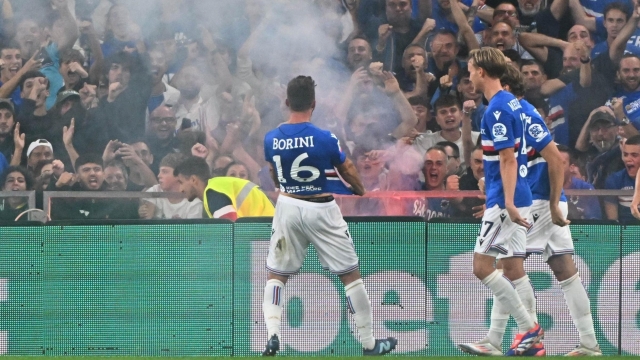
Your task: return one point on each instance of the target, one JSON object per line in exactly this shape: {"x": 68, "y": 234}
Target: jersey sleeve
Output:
{"x": 220, "y": 206}
{"x": 537, "y": 135}
{"x": 601, "y": 31}
{"x": 336, "y": 154}
{"x": 3, "y": 163}
{"x": 499, "y": 125}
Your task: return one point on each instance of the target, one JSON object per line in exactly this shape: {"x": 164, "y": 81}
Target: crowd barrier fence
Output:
{"x": 188, "y": 288}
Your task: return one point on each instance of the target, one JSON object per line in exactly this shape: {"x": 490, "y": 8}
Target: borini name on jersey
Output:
{"x": 295, "y": 143}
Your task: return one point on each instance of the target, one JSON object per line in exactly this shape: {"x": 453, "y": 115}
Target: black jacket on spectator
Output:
{"x": 468, "y": 182}
{"x": 35, "y": 127}
{"x": 160, "y": 150}
{"x": 601, "y": 165}
{"x": 91, "y": 134}
{"x": 125, "y": 117}
{"x": 587, "y": 99}
{"x": 8, "y": 214}
{"x": 93, "y": 209}
{"x": 396, "y": 44}
{"x": 7, "y": 147}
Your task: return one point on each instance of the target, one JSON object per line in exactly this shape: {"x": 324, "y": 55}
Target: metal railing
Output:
{"x": 31, "y": 201}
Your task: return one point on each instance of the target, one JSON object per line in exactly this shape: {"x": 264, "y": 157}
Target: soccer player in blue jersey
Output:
{"x": 305, "y": 163}
{"x": 504, "y": 225}
{"x": 548, "y": 236}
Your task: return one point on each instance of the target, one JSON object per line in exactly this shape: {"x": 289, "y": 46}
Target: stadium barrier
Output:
{"x": 192, "y": 288}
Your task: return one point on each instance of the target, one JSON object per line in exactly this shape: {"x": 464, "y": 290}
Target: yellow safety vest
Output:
{"x": 246, "y": 197}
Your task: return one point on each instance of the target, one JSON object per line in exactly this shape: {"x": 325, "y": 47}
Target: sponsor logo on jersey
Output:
{"x": 514, "y": 104}
{"x": 537, "y": 132}
{"x": 497, "y": 114}
{"x": 499, "y": 132}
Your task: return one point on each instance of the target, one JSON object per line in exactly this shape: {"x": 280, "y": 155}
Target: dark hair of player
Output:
{"x": 193, "y": 166}
{"x": 301, "y": 93}
{"x": 513, "y": 78}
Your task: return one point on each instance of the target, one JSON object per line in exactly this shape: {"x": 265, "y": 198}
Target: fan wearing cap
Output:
{"x": 599, "y": 139}
{"x": 37, "y": 151}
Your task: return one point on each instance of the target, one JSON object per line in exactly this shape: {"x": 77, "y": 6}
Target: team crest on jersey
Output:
{"x": 537, "y": 132}
{"x": 499, "y": 132}
{"x": 523, "y": 170}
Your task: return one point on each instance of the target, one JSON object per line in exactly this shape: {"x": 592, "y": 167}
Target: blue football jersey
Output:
{"x": 631, "y": 103}
{"x": 502, "y": 127}
{"x": 596, "y": 7}
{"x": 537, "y": 137}
{"x": 304, "y": 158}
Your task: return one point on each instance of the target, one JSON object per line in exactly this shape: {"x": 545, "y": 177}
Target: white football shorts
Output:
{"x": 546, "y": 238}
{"x": 298, "y": 223}
{"x": 499, "y": 236}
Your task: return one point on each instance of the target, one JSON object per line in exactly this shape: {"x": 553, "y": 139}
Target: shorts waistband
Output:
{"x": 320, "y": 200}
{"x": 325, "y": 202}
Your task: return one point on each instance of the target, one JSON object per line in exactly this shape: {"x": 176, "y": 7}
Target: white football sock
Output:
{"x": 272, "y": 306}
{"x": 499, "y": 319}
{"x": 527, "y": 296}
{"x": 580, "y": 309}
{"x": 360, "y": 306}
{"x": 503, "y": 289}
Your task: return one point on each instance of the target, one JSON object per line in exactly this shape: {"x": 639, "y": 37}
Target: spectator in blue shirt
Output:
{"x": 3, "y": 163}
{"x": 580, "y": 207}
{"x": 618, "y": 207}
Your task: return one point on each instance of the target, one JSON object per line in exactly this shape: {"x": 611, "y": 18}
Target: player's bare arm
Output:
{"x": 349, "y": 173}
{"x": 551, "y": 155}
{"x": 509, "y": 175}
{"x": 274, "y": 177}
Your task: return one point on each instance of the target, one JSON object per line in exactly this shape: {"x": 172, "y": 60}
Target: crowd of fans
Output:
{"x": 111, "y": 95}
